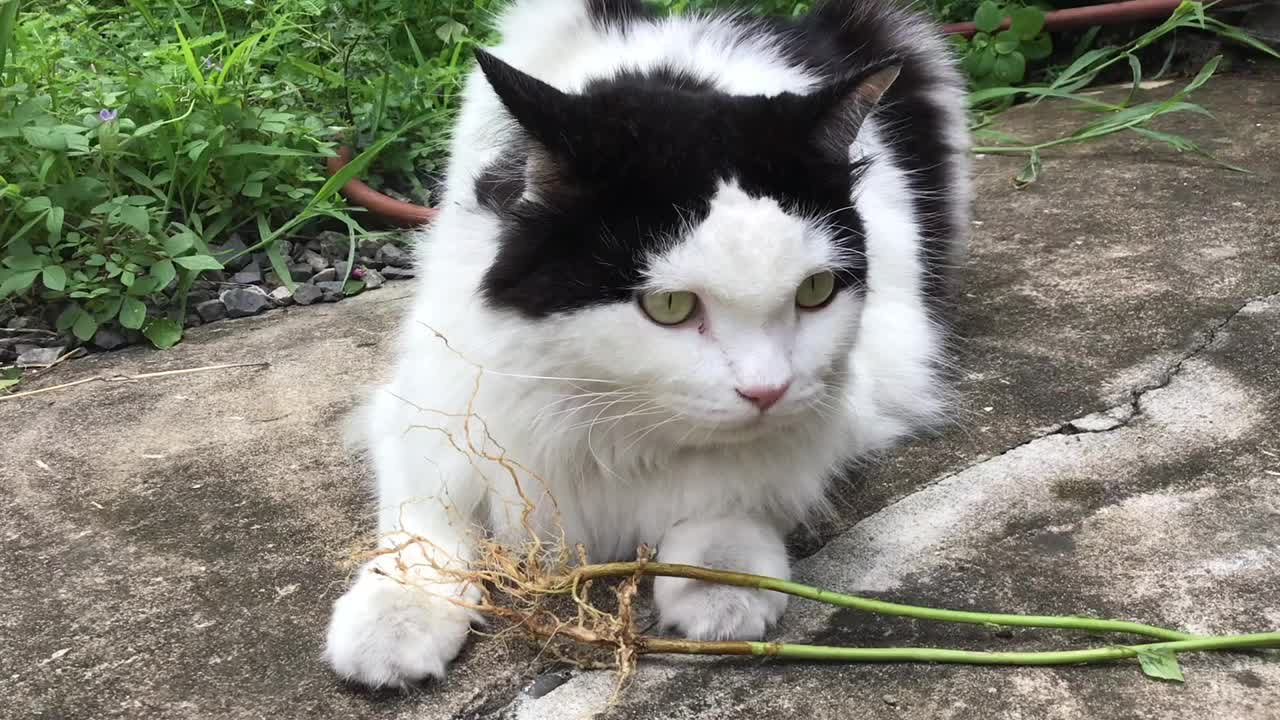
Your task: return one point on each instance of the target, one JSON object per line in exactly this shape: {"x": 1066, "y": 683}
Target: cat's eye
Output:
{"x": 669, "y": 308}
{"x": 816, "y": 290}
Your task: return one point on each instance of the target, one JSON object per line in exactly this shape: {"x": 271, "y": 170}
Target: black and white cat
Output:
{"x": 695, "y": 257}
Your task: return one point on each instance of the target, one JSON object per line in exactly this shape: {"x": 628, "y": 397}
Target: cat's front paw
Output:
{"x": 387, "y": 634}
{"x": 704, "y": 611}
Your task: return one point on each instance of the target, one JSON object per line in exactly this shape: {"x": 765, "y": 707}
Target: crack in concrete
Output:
{"x": 1109, "y": 420}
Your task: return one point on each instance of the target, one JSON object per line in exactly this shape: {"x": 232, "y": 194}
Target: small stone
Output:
{"x": 368, "y": 247}
{"x": 27, "y": 322}
{"x": 545, "y": 683}
{"x": 230, "y": 248}
{"x": 243, "y": 302}
{"x": 40, "y": 356}
{"x": 324, "y": 276}
{"x": 370, "y": 261}
{"x": 281, "y": 296}
{"x": 301, "y": 272}
{"x": 340, "y": 269}
{"x": 332, "y": 290}
{"x": 334, "y": 244}
{"x": 393, "y": 255}
{"x": 193, "y": 320}
{"x": 314, "y": 260}
{"x": 373, "y": 279}
{"x": 7, "y": 355}
{"x": 395, "y": 273}
{"x": 286, "y": 248}
{"x": 249, "y": 276}
{"x": 108, "y": 339}
{"x": 307, "y": 294}
{"x": 890, "y": 700}
{"x": 211, "y": 310}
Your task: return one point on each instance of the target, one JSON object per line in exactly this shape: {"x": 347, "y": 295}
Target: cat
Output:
{"x": 686, "y": 270}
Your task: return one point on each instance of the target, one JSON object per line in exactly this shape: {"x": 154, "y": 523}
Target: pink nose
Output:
{"x": 763, "y": 396}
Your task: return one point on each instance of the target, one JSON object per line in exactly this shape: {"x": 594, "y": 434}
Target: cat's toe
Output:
{"x": 385, "y": 634}
{"x": 702, "y": 611}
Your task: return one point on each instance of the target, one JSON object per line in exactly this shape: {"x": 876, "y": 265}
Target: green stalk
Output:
{"x": 792, "y": 651}
{"x": 8, "y": 28}
{"x": 627, "y": 569}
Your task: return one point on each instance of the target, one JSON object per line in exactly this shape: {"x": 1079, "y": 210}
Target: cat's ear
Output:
{"x": 548, "y": 114}
{"x": 840, "y": 109}
{"x": 554, "y": 121}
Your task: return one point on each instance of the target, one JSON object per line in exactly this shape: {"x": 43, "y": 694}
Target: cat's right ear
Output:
{"x": 551, "y": 116}
{"x": 553, "y": 120}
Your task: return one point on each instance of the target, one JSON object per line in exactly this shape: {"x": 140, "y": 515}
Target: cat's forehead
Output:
{"x": 748, "y": 250}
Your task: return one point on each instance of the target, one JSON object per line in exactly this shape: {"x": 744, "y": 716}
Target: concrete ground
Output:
{"x": 169, "y": 547}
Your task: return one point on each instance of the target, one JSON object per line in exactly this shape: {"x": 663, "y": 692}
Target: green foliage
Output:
{"x": 1108, "y": 118}
{"x": 1160, "y": 663}
{"x": 135, "y": 136}
{"x": 1000, "y": 56}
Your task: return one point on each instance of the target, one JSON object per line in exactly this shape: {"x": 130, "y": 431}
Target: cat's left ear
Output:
{"x": 840, "y": 109}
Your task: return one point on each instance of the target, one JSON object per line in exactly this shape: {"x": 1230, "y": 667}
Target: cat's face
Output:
{"x": 696, "y": 251}
{"x": 741, "y": 325}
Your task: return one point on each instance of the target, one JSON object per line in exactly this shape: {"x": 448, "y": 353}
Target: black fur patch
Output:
{"x": 618, "y": 13}
{"x": 636, "y": 156}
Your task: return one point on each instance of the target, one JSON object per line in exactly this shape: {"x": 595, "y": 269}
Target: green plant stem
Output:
{"x": 722, "y": 577}
{"x": 792, "y": 651}
{"x": 8, "y": 28}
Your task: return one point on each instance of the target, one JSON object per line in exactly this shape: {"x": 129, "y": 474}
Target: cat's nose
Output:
{"x": 764, "y": 396}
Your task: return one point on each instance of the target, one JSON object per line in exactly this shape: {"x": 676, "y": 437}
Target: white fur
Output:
{"x": 626, "y": 432}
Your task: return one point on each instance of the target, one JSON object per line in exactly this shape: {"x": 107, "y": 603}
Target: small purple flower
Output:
{"x": 357, "y": 273}
{"x": 107, "y": 116}
{"x": 211, "y": 64}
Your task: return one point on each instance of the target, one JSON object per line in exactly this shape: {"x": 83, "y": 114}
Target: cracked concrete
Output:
{"x": 170, "y": 547}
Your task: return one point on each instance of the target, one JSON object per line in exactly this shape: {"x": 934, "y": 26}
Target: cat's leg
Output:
{"x": 397, "y": 624}
{"x": 705, "y": 611}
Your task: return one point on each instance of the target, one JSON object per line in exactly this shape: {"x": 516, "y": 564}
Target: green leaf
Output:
{"x": 133, "y": 313}
{"x": 1007, "y": 42}
{"x": 1011, "y": 68}
{"x": 252, "y": 189}
{"x": 269, "y": 150}
{"x": 67, "y": 317}
{"x": 1160, "y": 663}
{"x": 163, "y": 333}
{"x": 199, "y": 262}
{"x": 6, "y": 383}
{"x": 1030, "y": 173}
{"x": 35, "y": 205}
{"x": 53, "y": 223}
{"x": 988, "y": 17}
{"x": 353, "y": 287}
{"x": 163, "y": 272}
{"x": 55, "y": 278}
{"x": 136, "y": 218}
{"x": 175, "y": 245}
{"x": 189, "y": 57}
{"x": 1203, "y": 76}
{"x": 451, "y": 32}
{"x": 1038, "y": 47}
{"x": 18, "y": 282}
{"x": 85, "y": 327}
{"x": 1027, "y": 22}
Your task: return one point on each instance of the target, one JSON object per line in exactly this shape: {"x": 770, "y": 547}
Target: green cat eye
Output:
{"x": 816, "y": 290}
{"x": 669, "y": 308}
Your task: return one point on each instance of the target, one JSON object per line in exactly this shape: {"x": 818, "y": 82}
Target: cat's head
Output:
{"x": 697, "y": 248}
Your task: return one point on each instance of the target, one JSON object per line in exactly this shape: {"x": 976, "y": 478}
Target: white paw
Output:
{"x": 384, "y": 633}
{"x": 703, "y": 611}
